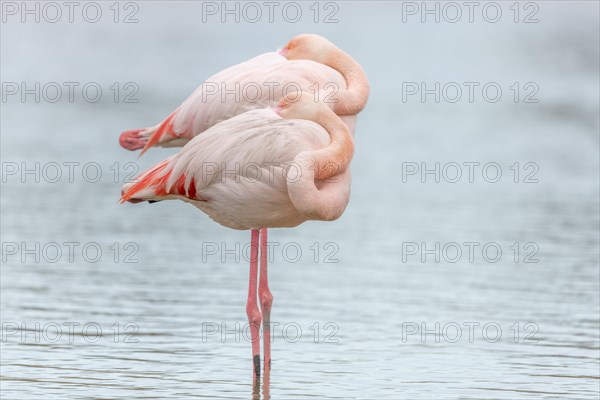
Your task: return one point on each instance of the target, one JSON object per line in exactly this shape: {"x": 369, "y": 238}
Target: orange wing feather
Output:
{"x": 156, "y": 179}
{"x": 165, "y": 128}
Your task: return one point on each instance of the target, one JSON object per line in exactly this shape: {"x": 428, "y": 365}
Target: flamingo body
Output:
{"x": 241, "y": 165}
{"x": 253, "y": 84}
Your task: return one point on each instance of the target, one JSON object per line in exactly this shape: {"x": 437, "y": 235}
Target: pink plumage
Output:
{"x": 243, "y": 164}
{"x": 308, "y": 64}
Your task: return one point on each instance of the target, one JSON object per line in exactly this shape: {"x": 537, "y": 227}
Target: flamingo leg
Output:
{"x": 254, "y": 317}
{"x": 266, "y": 298}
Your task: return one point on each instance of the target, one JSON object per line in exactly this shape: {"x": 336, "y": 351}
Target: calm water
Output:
{"x": 360, "y": 314}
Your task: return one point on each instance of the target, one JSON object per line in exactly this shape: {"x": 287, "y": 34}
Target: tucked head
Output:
{"x": 308, "y": 47}
{"x": 303, "y": 107}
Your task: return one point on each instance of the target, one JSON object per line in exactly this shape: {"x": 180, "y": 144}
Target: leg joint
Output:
{"x": 266, "y": 299}
{"x": 254, "y": 316}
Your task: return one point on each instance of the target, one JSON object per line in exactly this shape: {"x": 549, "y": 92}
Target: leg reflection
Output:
{"x": 267, "y": 382}
{"x": 266, "y": 394}
{"x": 255, "y": 388}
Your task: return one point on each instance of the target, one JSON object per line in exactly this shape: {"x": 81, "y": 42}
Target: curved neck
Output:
{"x": 335, "y": 158}
{"x": 329, "y": 166}
{"x": 352, "y": 99}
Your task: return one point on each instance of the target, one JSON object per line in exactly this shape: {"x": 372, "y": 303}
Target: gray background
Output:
{"x": 370, "y": 294}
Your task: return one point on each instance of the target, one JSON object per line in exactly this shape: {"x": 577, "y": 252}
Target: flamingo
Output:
{"x": 307, "y": 63}
{"x": 259, "y": 148}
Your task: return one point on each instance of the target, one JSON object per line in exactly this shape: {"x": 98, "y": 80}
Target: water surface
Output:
{"x": 368, "y": 300}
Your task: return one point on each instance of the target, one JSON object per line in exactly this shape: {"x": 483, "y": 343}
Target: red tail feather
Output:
{"x": 165, "y": 128}
{"x": 150, "y": 178}
{"x": 153, "y": 179}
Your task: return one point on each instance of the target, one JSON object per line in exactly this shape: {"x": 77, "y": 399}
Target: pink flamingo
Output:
{"x": 308, "y": 63}
{"x": 290, "y": 164}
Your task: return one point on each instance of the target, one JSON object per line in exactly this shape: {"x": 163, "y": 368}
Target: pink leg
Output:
{"x": 266, "y": 298}
{"x": 252, "y": 310}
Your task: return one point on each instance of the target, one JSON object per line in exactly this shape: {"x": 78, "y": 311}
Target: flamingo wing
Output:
{"x": 194, "y": 114}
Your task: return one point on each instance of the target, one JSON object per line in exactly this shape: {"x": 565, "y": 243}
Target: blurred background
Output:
{"x": 101, "y": 300}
